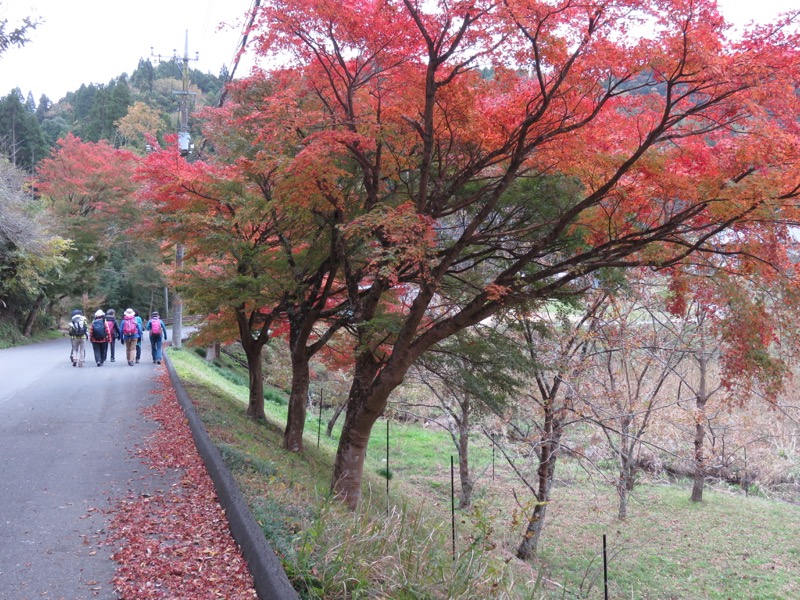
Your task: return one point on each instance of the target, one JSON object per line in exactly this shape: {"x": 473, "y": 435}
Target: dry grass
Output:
{"x": 727, "y": 547}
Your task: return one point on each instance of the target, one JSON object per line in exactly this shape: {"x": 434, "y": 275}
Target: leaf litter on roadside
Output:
{"x": 175, "y": 543}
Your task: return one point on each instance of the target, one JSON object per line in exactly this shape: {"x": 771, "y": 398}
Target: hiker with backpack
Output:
{"x": 131, "y": 334}
{"x": 98, "y": 335}
{"x": 158, "y": 333}
{"x": 113, "y": 330}
{"x": 78, "y": 334}
{"x": 141, "y": 330}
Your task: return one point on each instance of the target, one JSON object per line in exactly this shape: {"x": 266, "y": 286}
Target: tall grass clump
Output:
{"x": 399, "y": 554}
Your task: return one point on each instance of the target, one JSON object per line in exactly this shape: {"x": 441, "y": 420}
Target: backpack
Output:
{"x": 77, "y": 327}
{"x": 129, "y": 326}
{"x": 155, "y": 327}
{"x": 99, "y": 329}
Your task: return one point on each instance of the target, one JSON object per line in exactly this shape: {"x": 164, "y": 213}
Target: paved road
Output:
{"x": 66, "y": 441}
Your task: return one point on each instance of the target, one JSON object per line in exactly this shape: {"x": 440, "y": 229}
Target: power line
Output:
{"x": 240, "y": 50}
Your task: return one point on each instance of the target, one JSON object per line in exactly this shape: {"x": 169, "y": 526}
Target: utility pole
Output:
{"x": 185, "y": 145}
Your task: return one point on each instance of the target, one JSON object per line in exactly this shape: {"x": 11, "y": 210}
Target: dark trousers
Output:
{"x": 100, "y": 351}
{"x": 111, "y": 345}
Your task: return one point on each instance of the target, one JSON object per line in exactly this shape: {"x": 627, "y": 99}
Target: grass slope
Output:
{"x": 727, "y": 547}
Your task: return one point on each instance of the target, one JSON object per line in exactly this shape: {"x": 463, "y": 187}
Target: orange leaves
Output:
{"x": 85, "y": 177}
{"x": 396, "y": 147}
{"x": 392, "y": 239}
{"x": 496, "y": 292}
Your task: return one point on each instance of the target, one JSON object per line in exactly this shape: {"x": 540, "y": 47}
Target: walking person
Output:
{"x": 141, "y": 329}
{"x": 78, "y": 334}
{"x": 158, "y": 333}
{"x": 98, "y": 335}
{"x": 131, "y": 334}
{"x": 113, "y": 331}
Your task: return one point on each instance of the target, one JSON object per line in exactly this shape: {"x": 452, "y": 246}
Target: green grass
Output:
{"x": 10, "y": 336}
{"x": 728, "y": 546}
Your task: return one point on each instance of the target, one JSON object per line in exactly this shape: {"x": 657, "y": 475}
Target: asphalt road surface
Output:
{"x": 67, "y": 437}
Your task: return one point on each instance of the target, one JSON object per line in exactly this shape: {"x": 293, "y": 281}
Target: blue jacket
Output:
{"x": 149, "y": 327}
{"x": 137, "y": 335}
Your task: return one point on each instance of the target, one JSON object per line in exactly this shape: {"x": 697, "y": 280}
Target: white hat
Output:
{"x": 99, "y": 313}
{"x": 129, "y": 312}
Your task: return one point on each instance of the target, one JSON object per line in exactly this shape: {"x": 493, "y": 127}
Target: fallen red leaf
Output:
{"x": 175, "y": 543}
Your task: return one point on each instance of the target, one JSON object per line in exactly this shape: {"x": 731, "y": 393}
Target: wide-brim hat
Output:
{"x": 99, "y": 313}
{"x": 129, "y": 312}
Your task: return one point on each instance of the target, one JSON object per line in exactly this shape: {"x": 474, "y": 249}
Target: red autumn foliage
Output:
{"x": 82, "y": 178}
{"x": 176, "y": 543}
{"x": 671, "y": 141}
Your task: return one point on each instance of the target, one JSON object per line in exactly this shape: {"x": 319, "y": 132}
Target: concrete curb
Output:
{"x": 270, "y": 579}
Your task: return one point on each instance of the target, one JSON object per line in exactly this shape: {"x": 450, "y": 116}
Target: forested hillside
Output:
{"x": 83, "y": 147}
{"x": 118, "y": 111}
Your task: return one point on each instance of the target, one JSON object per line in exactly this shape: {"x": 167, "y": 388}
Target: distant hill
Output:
{"x": 120, "y": 112}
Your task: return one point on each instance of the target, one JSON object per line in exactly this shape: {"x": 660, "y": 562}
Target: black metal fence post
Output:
{"x": 453, "y": 503}
{"x": 319, "y": 425}
{"x": 605, "y": 567}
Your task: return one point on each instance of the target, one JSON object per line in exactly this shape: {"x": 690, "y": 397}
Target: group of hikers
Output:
{"x": 105, "y": 330}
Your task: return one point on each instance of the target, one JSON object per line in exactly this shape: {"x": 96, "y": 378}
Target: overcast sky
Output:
{"x": 93, "y": 41}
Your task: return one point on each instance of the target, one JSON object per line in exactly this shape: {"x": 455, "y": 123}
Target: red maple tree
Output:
{"x": 600, "y": 135}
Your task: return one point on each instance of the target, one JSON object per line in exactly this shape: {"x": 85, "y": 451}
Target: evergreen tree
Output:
{"x": 110, "y": 104}
{"x": 30, "y": 104}
{"x": 168, "y": 69}
{"x": 208, "y": 83}
{"x": 54, "y": 129}
{"x": 42, "y": 108}
{"x": 144, "y": 76}
{"x": 90, "y": 128}
{"x": 82, "y": 101}
{"x": 21, "y": 137}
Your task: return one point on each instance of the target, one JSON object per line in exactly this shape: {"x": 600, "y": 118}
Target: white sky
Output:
{"x": 93, "y": 41}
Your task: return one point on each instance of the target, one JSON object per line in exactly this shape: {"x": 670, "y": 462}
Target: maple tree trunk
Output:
{"x": 252, "y": 350}
{"x": 548, "y": 454}
{"x": 625, "y": 485}
{"x": 213, "y": 351}
{"x": 296, "y": 419}
{"x": 255, "y": 403}
{"x": 300, "y": 329}
{"x": 29, "y": 321}
{"x": 363, "y": 409}
{"x": 700, "y": 432}
{"x": 547, "y": 467}
{"x": 622, "y": 513}
{"x": 350, "y": 454}
{"x": 627, "y": 468}
{"x": 333, "y": 419}
{"x": 465, "y": 499}
{"x": 699, "y": 458}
